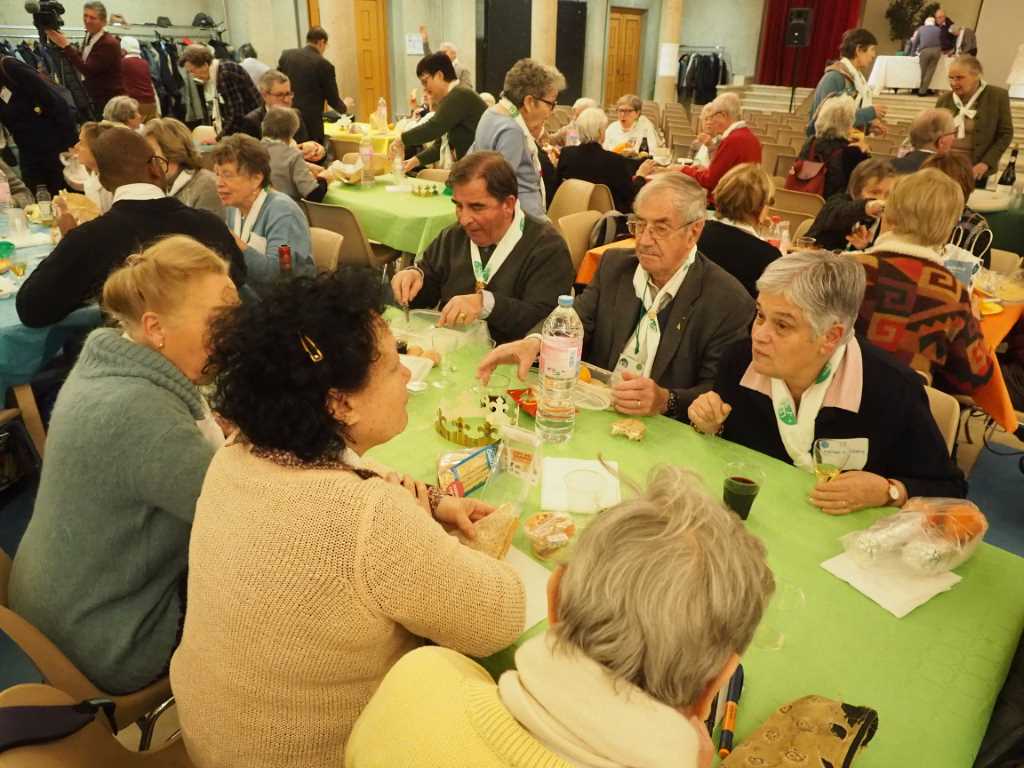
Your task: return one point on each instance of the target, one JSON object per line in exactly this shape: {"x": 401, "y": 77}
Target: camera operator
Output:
{"x": 100, "y": 58}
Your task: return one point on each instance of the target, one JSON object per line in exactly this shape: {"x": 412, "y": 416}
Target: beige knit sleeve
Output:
{"x": 416, "y": 574}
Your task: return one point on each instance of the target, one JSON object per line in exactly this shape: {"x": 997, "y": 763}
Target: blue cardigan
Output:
{"x": 500, "y": 133}
{"x": 280, "y": 222}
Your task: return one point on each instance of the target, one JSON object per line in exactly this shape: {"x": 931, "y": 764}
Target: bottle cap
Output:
{"x": 565, "y": 301}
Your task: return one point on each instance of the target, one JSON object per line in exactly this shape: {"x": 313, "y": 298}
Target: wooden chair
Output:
{"x": 94, "y": 746}
{"x": 326, "y": 249}
{"x": 946, "y": 412}
{"x": 575, "y": 228}
{"x": 356, "y": 249}
{"x": 439, "y": 175}
{"x": 572, "y": 196}
{"x": 1005, "y": 262}
{"x": 142, "y": 707}
{"x": 799, "y": 202}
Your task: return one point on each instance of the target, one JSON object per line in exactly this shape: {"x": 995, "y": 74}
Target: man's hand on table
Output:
{"x": 311, "y": 151}
{"x": 461, "y": 513}
{"x": 852, "y": 491}
{"x": 521, "y": 353}
{"x": 708, "y": 413}
{"x": 639, "y": 396}
{"x": 406, "y": 284}
{"x": 462, "y": 310}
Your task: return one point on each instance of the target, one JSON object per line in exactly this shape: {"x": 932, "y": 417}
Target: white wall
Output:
{"x": 733, "y": 24}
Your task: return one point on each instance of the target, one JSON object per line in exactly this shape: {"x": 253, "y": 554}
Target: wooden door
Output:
{"x": 625, "y": 40}
{"x": 371, "y": 55}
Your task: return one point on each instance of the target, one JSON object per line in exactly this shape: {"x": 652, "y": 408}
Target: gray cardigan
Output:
{"x": 102, "y": 565}
{"x": 201, "y": 192}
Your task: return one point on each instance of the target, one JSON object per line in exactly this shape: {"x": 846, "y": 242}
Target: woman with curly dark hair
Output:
{"x": 310, "y": 573}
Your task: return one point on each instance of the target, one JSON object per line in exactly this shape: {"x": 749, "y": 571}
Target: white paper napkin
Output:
{"x": 535, "y": 581}
{"x": 554, "y": 496}
{"x": 890, "y": 586}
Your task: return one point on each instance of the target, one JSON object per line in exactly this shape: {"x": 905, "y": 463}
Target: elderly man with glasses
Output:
{"x": 660, "y": 315}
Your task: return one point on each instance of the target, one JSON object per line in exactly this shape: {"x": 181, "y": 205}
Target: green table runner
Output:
{"x": 933, "y": 676}
{"x": 399, "y": 219}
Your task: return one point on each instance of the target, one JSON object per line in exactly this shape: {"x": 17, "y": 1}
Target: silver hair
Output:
{"x": 95, "y": 5}
{"x": 528, "y": 77}
{"x": 929, "y": 126}
{"x": 270, "y": 78}
{"x": 280, "y": 123}
{"x": 589, "y": 125}
{"x": 827, "y": 287}
{"x": 632, "y": 101}
{"x": 121, "y": 109}
{"x": 835, "y": 118}
{"x": 729, "y": 103}
{"x": 689, "y": 198}
{"x": 662, "y": 589}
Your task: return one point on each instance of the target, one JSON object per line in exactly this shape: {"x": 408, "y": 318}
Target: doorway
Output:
{"x": 625, "y": 41}
{"x": 371, "y": 55}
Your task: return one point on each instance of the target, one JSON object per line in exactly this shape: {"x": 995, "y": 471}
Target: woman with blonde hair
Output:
{"x": 914, "y": 308}
{"x": 832, "y": 145}
{"x": 188, "y": 180}
{"x": 742, "y": 199}
{"x": 101, "y": 568}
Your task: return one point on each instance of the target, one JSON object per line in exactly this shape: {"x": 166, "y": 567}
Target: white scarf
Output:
{"x": 797, "y": 428}
{"x": 575, "y": 708}
{"x": 184, "y": 177}
{"x": 531, "y": 145}
{"x": 211, "y": 96}
{"x": 483, "y": 274}
{"x": 864, "y": 95}
{"x": 242, "y": 226}
{"x": 963, "y": 113}
{"x": 642, "y": 347}
{"x": 90, "y": 43}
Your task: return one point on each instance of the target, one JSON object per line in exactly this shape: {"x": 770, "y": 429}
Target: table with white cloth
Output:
{"x": 905, "y": 72}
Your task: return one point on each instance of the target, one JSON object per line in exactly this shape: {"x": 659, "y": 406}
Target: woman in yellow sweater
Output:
{"x": 310, "y": 573}
{"x": 662, "y": 594}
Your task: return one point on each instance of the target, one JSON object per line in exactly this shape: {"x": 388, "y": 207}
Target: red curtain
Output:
{"x": 831, "y": 19}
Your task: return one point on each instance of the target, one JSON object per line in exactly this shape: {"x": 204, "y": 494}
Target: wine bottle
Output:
{"x": 1009, "y": 176}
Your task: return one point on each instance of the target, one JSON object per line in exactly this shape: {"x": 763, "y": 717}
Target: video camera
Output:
{"x": 46, "y": 14}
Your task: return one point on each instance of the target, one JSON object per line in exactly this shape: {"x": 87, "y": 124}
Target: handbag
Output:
{"x": 811, "y": 731}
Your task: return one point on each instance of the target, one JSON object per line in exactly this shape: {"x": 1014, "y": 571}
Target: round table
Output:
{"x": 401, "y": 220}
{"x": 933, "y": 675}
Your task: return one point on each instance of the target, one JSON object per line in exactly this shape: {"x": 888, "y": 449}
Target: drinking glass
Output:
{"x": 783, "y": 611}
{"x": 742, "y": 483}
{"x": 830, "y": 459}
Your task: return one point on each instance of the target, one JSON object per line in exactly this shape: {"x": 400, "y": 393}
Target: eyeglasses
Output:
{"x": 551, "y": 104}
{"x": 659, "y": 230}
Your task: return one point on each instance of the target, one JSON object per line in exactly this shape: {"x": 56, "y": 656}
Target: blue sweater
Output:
{"x": 280, "y": 222}
{"x": 499, "y": 132}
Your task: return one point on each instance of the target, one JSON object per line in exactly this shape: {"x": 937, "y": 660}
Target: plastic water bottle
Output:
{"x": 366, "y": 156}
{"x": 43, "y": 201}
{"x": 5, "y": 192}
{"x": 560, "y": 351}
{"x": 572, "y": 136}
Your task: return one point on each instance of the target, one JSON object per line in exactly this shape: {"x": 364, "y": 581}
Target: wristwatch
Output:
{"x": 894, "y": 493}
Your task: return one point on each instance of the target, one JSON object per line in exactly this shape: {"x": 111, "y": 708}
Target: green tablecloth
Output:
{"x": 398, "y": 219}
{"x": 933, "y": 676}
{"x": 1007, "y": 230}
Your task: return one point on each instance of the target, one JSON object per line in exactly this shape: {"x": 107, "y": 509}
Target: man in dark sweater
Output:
{"x": 313, "y": 80}
{"x": 74, "y": 272}
{"x": 497, "y": 264}
{"x": 457, "y": 110}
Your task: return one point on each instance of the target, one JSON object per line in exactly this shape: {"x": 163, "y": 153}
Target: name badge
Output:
{"x": 845, "y": 453}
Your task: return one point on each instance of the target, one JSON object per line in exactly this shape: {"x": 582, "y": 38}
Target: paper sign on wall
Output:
{"x": 413, "y": 45}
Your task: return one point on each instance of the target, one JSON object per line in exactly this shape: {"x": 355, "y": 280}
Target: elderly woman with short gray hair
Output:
{"x": 831, "y": 143}
{"x": 628, "y": 132}
{"x": 512, "y": 126}
{"x": 592, "y": 162}
{"x": 931, "y": 134}
{"x": 804, "y": 376}
{"x": 612, "y": 682}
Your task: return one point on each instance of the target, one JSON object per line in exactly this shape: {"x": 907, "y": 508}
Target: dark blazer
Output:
{"x": 710, "y": 311}
{"x": 912, "y": 161}
{"x": 592, "y": 162}
{"x": 741, "y": 254}
{"x": 904, "y": 442}
{"x": 993, "y": 126}
{"x": 101, "y": 72}
{"x": 313, "y": 83}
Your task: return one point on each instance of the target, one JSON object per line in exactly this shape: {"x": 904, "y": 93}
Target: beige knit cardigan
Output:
{"x": 305, "y": 586}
